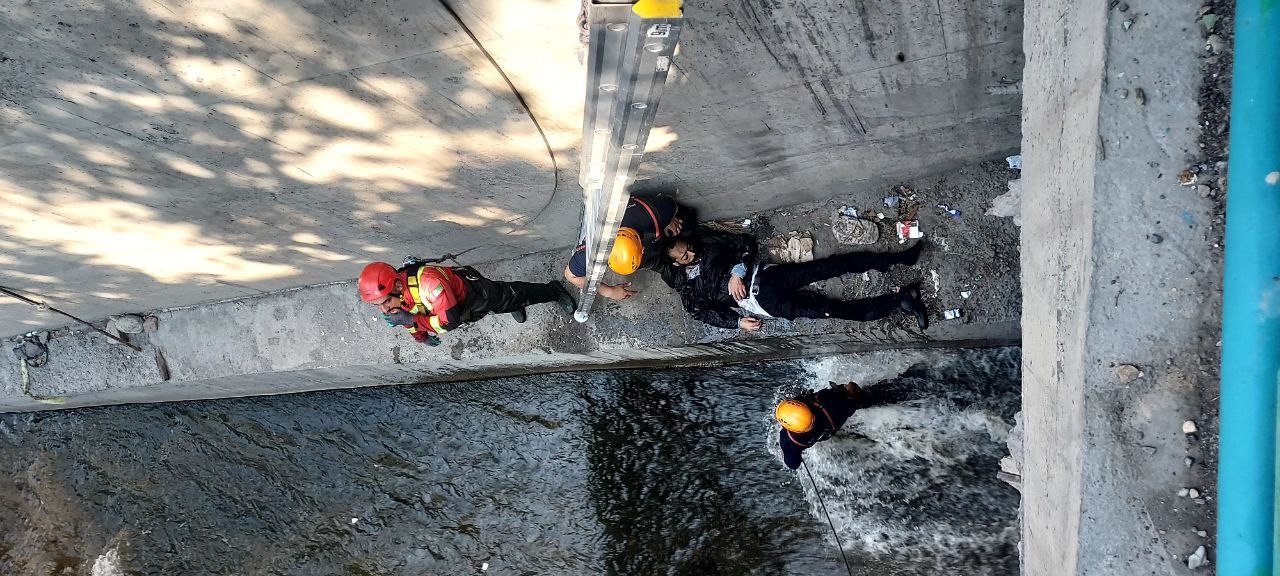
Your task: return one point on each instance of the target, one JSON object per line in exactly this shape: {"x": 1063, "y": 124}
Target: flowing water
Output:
{"x": 629, "y": 472}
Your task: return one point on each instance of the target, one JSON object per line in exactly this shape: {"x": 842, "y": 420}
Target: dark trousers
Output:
{"x": 485, "y": 296}
{"x": 780, "y": 287}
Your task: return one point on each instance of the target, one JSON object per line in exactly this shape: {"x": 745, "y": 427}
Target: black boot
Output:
{"x": 909, "y": 300}
{"x": 519, "y": 316}
{"x": 911, "y": 255}
{"x": 565, "y": 299}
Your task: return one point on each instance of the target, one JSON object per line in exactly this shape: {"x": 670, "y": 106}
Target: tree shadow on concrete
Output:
{"x": 165, "y": 153}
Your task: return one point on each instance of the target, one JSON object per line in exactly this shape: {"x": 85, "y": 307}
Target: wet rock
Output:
{"x": 1128, "y": 373}
{"x": 1189, "y": 427}
{"x": 1196, "y": 560}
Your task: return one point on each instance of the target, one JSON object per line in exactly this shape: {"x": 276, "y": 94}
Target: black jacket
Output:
{"x": 706, "y": 295}
{"x": 831, "y": 408}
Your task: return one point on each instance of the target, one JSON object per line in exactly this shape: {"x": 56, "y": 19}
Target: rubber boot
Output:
{"x": 519, "y": 316}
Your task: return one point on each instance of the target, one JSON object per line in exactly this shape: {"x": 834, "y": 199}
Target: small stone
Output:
{"x": 1140, "y": 96}
{"x": 150, "y": 324}
{"x": 1183, "y": 493}
{"x": 1196, "y": 560}
{"x": 1204, "y": 191}
{"x": 1188, "y": 461}
{"x": 1202, "y": 533}
{"x": 1214, "y": 43}
{"x": 1189, "y": 427}
{"x": 1155, "y": 238}
{"x": 1128, "y": 24}
{"x": 1128, "y": 373}
{"x": 128, "y": 323}
{"x": 1150, "y": 450}
{"x": 1192, "y": 492}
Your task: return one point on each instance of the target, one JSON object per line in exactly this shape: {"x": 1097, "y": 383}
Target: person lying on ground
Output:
{"x": 647, "y": 221}
{"x": 721, "y": 282}
{"x": 429, "y": 300}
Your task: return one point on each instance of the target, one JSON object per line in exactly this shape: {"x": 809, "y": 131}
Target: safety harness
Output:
{"x": 423, "y": 305}
{"x": 656, "y": 226}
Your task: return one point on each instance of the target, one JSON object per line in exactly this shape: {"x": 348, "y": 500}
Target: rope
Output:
{"x": 828, "y": 515}
{"x": 45, "y": 306}
{"x": 555, "y": 166}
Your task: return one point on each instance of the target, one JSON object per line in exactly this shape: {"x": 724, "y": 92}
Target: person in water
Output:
{"x": 812, "y": 417}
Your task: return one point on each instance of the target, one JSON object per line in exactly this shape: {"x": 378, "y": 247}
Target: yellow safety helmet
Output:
{"x": 794, "y": 415}
{"x": 627, "y": 252}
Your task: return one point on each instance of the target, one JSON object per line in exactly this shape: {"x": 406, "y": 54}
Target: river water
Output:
{"x": 672, "y": 472}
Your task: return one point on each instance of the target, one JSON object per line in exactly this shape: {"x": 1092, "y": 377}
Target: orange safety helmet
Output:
{"x": 627, "y": 252}
{"x": 377, "y": 280}
{"x": 794, "y": 416}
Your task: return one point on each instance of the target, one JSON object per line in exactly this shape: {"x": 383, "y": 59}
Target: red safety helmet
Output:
{"x": 377, "y": 280}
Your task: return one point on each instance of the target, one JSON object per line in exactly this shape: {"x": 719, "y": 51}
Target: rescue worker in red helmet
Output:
{"x": 429, "y": 300}
{"x": 812, "y": 417}
{"x": 647, "y": 221}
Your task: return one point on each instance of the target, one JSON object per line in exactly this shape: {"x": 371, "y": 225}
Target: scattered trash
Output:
{"x": 854, "y": 231}
{"x": 1015, "y": 162}
{"x": 952, "y": 314}
{"x": 1155, "y": 238}
{"x": 949, "y": 210}
{"x": 794, "y": 247}
{"x": 879, "y": 215}
{"x": 1128, "y": 373}
{"x": 1209, "y": 21}
{"x": 1187, "y": 177}
{"x": 1188, "y": 218}
{"x": 484, "y": 566}
{"x": 1196, "y": 560}
{"x": 892, "y": 201}
{"x": 354, "y": 520}
{"x": 908, "y": 229}
{"x": 1009, "y": 204}
{"x": 32, "y": 350}
{"x": 1189, "y": 427}
{"x": 151, "y": 324}
{"x": 1140, "y": 96}
{"x": 848, "y": 212}
{"x": 1128, "y": 23}
{"x": 746, "y": 223}
{"x": 965, "y": 294}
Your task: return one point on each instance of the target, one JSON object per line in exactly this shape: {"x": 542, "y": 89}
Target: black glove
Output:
{"x": 399, "y": 318}
{"x": 432, "y": 340}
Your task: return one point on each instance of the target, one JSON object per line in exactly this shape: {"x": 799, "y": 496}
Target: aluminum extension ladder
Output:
{"x": 631, "y": 43}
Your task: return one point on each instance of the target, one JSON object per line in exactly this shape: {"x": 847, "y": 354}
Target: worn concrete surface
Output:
{"x": 323, "y": 337}
{"x": 1120, "y": 266}
{"x": 157, "y": 154}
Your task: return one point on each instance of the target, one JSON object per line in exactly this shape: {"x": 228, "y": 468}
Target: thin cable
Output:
{"x": 44, "y": 306}
{"x": 828, "y": 515}
{"x": 555, "y": 166}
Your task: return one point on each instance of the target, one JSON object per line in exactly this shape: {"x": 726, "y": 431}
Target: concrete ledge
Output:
{"x": 323, "y": 337}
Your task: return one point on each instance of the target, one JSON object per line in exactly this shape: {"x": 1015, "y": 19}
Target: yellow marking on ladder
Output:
{"x": 658, "y": 8}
